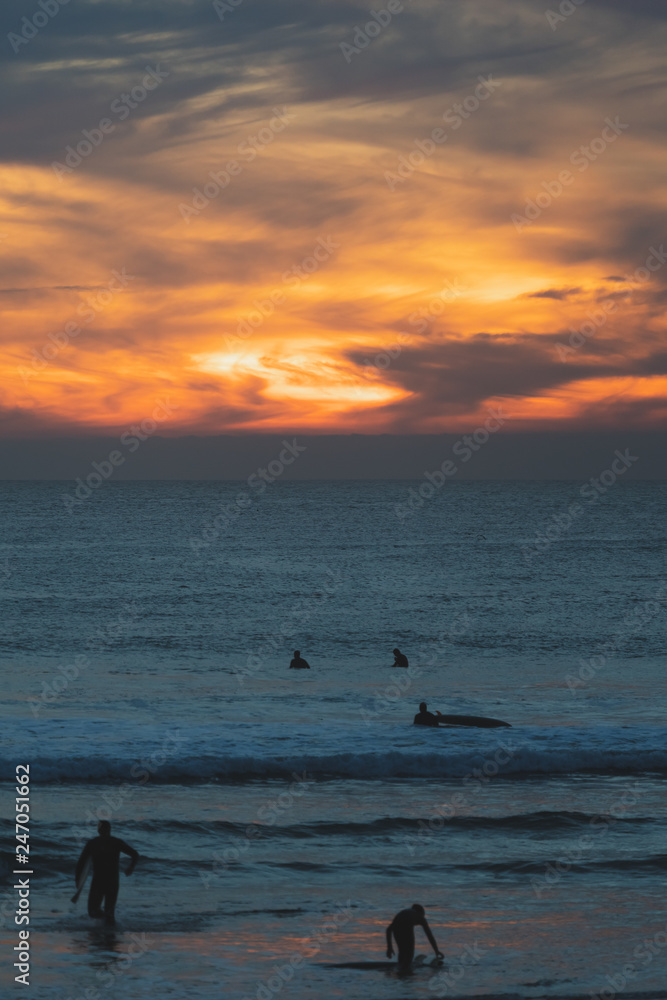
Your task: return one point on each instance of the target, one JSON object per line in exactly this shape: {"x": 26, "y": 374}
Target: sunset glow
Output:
{"x": 291, "y": 252}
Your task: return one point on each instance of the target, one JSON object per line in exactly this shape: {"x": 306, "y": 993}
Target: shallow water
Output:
{"x": 284, "y": 817}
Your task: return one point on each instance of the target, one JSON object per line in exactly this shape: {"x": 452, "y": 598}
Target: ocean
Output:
{"x": 284, "y": 817}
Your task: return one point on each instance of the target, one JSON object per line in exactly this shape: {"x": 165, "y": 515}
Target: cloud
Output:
{"x": 458, "y": 376}
{"x": 554, "y": 293}
{"x": 447, "y": 220}
{"x": 48, "y": 288}
{"x": 68, "y": 77}
{"x": 640, "y": 8}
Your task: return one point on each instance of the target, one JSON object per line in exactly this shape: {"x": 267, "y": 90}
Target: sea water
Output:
{"x": 284, "y": 817}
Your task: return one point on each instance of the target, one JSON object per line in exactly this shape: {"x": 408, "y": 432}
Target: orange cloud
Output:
{"x": 301, "y": 289}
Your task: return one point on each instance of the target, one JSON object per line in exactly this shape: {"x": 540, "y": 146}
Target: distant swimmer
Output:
{"x": 400, "y": 659}
{"x": 403, "y": 928}
{"x": 298, "y": 663}
{"x": 104, "y": 853}
{"x": 424, "y": 718}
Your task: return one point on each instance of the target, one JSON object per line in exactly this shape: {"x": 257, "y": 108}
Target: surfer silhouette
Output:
{"x": 403, "y": 928}
{"x": 424, "y": 718}
{"x": 104, "y": 853}
{"x": 298, "y": 663}
{"x": 400, "y": 659}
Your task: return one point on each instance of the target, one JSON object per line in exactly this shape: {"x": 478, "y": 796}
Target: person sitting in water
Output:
{"x": 424, "y": 718}
{"x": 298, "y": 663}
{"x": 403, "y": 928}
{"x": 400, "y": 659}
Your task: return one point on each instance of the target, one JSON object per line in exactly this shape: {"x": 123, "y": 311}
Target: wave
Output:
{"x": 58, "y": 865}
{"x": 627, "y": 995}
{"x": 562, "y": 864}
{"x": 469, "y": 766}
{"x": 546, "y": 821}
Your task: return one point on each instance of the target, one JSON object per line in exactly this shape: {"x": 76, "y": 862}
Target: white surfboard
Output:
{"x": 81, "y": 881}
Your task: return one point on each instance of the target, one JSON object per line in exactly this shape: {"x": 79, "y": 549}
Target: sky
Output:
{"x": 281, "y": 216}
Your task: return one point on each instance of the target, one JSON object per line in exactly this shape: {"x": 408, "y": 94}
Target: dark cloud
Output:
{"x": 639, "y": 8}
{"x": 456, "y": 375}
{"x": 553, "y": 293}
{"x": 630, "y": 233}
{"x": 459, "y": 374}
{"x": 656, "y": 364}
{"x": 45, "y": 289}
{"x": 67, "y": 77}
{"x": 646, "y": 411}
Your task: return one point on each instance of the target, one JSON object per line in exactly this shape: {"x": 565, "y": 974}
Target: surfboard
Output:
{"x": 85, "y": 872}
{"x": 472, "y": 720}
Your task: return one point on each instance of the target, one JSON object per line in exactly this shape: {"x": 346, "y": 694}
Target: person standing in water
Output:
{"x": 104, "y": 852}
{"x": 298, "y": 663}
{"x": 400, "y": 659}
{"x": 403, "y": 929}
